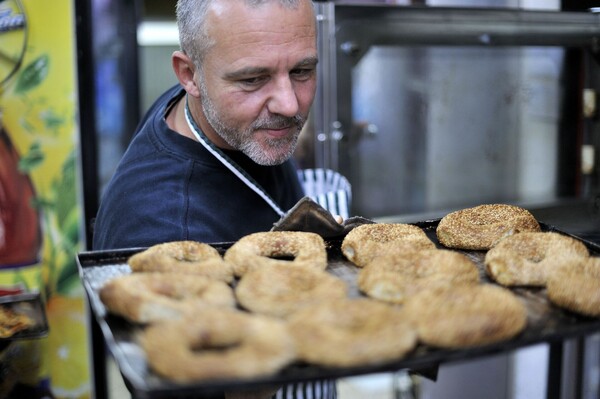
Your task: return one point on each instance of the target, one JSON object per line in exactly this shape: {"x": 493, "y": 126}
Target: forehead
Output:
{"x": 267, "y": 32}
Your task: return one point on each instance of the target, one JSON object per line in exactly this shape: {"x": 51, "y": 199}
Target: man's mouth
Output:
{"x": 277, "y": 132}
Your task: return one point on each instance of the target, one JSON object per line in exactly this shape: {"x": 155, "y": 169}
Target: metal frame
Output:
{"x": 325, "y": 110}
{"x": 340, "y": 48}
{"x": 86, "y": 72}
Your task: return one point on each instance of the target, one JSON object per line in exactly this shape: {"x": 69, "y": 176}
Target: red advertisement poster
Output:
{"x": 40, "y": 209}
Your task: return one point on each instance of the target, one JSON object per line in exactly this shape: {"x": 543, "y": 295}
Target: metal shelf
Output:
{"x": 465, "y": 26}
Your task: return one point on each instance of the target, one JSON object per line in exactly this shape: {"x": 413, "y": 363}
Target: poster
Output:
{"x": 40, "y": 204}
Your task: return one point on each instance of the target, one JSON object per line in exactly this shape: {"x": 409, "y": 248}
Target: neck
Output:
{"x": 176, "y": 120}
{"x": 197, "y": 114}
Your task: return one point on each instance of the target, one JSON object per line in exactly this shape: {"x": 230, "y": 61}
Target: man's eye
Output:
{"x": 302, "y": 73}
{"x": 253, "y": 81}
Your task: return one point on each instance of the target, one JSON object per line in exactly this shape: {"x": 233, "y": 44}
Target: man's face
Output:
{"x": 260, "y": 77}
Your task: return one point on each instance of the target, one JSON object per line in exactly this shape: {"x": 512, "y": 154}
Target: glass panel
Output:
{"x": 115, "y": 68}
{"x": 444, "y": 127}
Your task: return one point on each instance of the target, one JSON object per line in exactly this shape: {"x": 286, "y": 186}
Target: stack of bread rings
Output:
{"x": 399, "y": 264}
{"x": 272, "y": 299}
{"x": 519, "y": 253}
{"x": 189, "y": 299}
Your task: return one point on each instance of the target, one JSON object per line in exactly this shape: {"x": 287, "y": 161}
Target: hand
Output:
{"x": 338, "y": 219}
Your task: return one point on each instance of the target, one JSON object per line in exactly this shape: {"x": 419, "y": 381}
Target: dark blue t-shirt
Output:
{"x": 168, "y": 187}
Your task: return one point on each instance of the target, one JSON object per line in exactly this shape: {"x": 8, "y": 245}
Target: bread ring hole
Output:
{"x": 167, "y": 290}
{"x": 348, "y": 321}
{"x": 209, "y": 343}
{"x": 190, "y": 257}
{"x": 285, "y": 256}
{"x": 530, "y": 252}
{"x": 215, "y": 349}
{"x": 172, "y": 291}
{"x": 534, "y": 256}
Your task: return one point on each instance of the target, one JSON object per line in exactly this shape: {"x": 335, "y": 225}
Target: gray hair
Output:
{"x": 194, "y": 39}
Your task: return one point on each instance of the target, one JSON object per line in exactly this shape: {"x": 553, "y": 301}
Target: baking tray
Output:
{"x": 31, "y": 305}
{"x": 546, "y": 323}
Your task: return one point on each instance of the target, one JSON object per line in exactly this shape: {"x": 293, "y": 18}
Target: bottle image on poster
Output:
{"x": 20, "y": 233}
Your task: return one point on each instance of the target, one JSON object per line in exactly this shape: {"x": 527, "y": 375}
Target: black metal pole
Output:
{"x": 555, "y": 363}
{"x": 89, "y": 162}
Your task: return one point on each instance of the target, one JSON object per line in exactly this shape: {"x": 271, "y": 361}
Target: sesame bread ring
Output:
{"x": 363, "y": 243}
{"x": 525, "y": 259}
{"x": 279, "y": 291}
{"x": 218, "y": 344}
{"x": 149, "y": 297}
{"x": 466, "y": 315}
{"x": 189, "y": 257}
{"x": 393, "y": 277}
{"x": 481, "y": 227}
{"x": 577, "y": 287}
{"x": 258, "y": 249}
{"x": 351, "y": 332}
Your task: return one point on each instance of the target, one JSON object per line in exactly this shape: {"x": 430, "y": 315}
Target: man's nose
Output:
{"x": 283, "y": 99}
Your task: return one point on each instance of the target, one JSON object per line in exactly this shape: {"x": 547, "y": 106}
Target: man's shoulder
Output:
{"x": 159, "y": 107}
{"x": 134, "y": 212}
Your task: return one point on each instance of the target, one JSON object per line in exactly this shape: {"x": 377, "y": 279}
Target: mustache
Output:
{"x": 278, "y": 122}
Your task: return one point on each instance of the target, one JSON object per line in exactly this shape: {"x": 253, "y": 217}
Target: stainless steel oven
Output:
{"x": 430, "y": 109}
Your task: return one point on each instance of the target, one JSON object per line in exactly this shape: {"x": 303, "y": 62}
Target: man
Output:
{"x": 211, "y": 159}
{"x": 247, "y": 73}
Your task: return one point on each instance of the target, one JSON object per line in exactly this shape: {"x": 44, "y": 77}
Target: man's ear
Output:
{"x": 184, "y": 70}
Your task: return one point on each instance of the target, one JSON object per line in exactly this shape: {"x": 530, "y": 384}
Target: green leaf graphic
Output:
{"x": 34, "y": 157}
{"x": 33, "y": 74}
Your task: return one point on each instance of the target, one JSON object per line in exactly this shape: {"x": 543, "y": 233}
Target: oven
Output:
{"x": 426, "y": 110}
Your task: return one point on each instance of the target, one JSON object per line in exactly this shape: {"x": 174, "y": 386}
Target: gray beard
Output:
{"x": 272, "y": 152}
